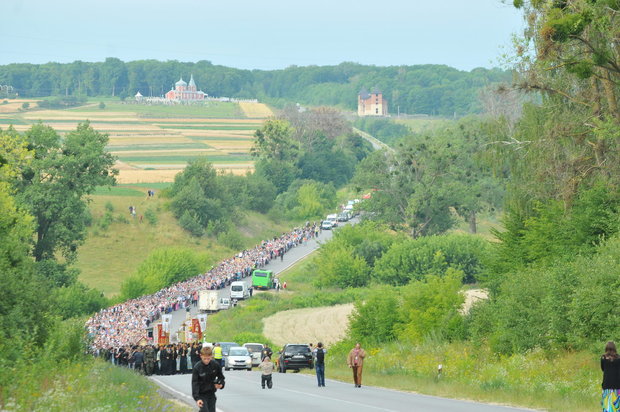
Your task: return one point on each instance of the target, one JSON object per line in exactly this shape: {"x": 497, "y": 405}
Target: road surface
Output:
{"x": 299, "y": 393}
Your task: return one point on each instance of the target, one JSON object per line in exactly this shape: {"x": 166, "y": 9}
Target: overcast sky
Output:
{"x": 260, "y": 34}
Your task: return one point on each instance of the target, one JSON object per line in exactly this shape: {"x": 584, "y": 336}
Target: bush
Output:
{"x": 190, "y": 222}
{"x": 25, "y": 105}
{"x": 101, "y": 105}
{"x": 231, "y": 239}
{"x": 163, "y": 268}
{"x": 151, "y": 216}
{"x": 415, "y": 258}
{"x": 109, "y": 206}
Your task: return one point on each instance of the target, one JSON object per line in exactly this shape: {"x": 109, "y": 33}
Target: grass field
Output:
{"x": 153, "y": 143}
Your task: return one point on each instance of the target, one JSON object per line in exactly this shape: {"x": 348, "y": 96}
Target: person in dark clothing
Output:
{"x": 138, "y": 358}
{"x": 319, "y": 363}
{"x": 266, "y": 353}
{"x": 183, "y": 359}
{"x": 207, "y": 378}
{"x": 610, "y": 365}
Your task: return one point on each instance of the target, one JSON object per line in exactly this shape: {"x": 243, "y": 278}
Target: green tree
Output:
{"x": 338, "y": 266}
{"x": 431, "y": 306}
{"x": 373, "y": 319}
{"x": 54, "y": 185}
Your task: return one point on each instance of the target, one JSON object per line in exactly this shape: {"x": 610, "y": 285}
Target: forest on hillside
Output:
{"x": 421, "y": 89}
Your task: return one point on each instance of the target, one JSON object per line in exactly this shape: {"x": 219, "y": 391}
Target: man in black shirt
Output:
{"x": 207, "y": 378}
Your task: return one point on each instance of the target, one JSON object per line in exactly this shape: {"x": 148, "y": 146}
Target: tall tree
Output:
{"x": 54, "y": 185}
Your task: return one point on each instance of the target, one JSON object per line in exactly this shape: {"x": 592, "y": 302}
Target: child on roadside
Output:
{"x": 267, "y": 368}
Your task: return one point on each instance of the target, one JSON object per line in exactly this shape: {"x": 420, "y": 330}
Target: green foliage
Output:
{"x": 415, "y": 258}
{"x": 305, "y": 199}
{"x": 163, "y": 268}
{"x": 386, "y": 130}
{"x": 75, "y": 165}
{"x": 58, "y": 274}
{"x": 420, "y": 184}
{"x": 373, "y": 319}
{"x": 368, "y": 240}
{"x": 26, "y": 106}
{"x": 109, "y": 206}
{"x": 77, "y": 300}
{"x": 566, "y": 302}
{"x": 151, "y": 216}
{"x": 231, "y": 239}
{"x": 338, "y": 266}
{"x": 431, "y": 306}
{"x": 66, "y": 340}
{"x": 101, "y": 105}
{"x": 550, "y": 230}
{"x": 61, "y": 102}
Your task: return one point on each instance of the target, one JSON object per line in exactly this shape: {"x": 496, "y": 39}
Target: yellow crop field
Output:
{"x": 255, "y": 110}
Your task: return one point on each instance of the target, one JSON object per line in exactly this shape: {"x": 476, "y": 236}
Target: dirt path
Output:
{"x": 310, "y": 325}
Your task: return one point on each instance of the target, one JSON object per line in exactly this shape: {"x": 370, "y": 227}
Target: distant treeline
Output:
{"x": 427, "y": 89}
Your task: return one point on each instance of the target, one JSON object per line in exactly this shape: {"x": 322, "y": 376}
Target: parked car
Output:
{"x": 327, "y": 225}
{"x": 295, "y": 356}
{"x": 255, "y": 350}
{"x": 238, "y": 358}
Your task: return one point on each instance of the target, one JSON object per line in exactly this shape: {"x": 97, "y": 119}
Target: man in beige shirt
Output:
{"x": 267, "y": 368}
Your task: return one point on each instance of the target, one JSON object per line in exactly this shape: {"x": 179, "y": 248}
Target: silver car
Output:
{"x": 238, "y": 358}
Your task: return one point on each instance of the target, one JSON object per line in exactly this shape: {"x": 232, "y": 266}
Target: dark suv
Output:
{"x": 295, "y": 356}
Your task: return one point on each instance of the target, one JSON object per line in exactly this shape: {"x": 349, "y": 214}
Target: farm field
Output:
{"x": 153, "y": 143}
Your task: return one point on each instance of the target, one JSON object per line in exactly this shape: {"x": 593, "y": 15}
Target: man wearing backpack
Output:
{"x": 319, "y": 364}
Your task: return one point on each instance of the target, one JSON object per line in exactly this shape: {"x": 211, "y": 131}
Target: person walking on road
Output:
{"x": 207, "y": 378}
{"x": 356, "y": 363}
{"x": 319, "y": 363}
{"x": 610, "y": 365}
{"x": 267, "y": 368}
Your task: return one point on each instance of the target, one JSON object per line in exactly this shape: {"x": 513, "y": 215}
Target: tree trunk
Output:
{"x": 472, "y": 222}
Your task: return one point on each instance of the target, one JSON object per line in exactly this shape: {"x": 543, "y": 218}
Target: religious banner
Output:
{"x": 162, "y": 336}
{"x": 202, "y": 320}
{"x": 165, "y": 320}
{"x": 196, "y": 328}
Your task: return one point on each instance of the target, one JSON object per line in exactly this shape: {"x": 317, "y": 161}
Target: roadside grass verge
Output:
{"x": 83, "y": 385}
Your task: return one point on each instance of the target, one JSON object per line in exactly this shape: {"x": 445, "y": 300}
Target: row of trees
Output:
{"x": 429, "y": 89}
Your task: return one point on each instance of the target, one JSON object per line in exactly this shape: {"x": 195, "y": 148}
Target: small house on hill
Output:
{"x": 371, "y": 104}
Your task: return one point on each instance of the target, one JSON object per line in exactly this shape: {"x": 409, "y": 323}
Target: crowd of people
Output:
{"x": 125, "y": 324}
{"x": 154, "y": 359}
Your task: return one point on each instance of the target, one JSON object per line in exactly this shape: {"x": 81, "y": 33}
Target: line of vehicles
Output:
{"x": 349, "y": 211}
{"x": 209, "y": 301}
{"x": 293, "y": 356}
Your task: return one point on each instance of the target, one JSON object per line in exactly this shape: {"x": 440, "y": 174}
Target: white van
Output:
{"x": 239, "y": 290}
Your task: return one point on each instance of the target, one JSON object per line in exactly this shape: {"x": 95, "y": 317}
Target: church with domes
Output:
{"x": 185, "y": 91}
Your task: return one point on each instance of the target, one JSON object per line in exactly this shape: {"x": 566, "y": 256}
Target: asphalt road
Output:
{"x": 299, "y": 392}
